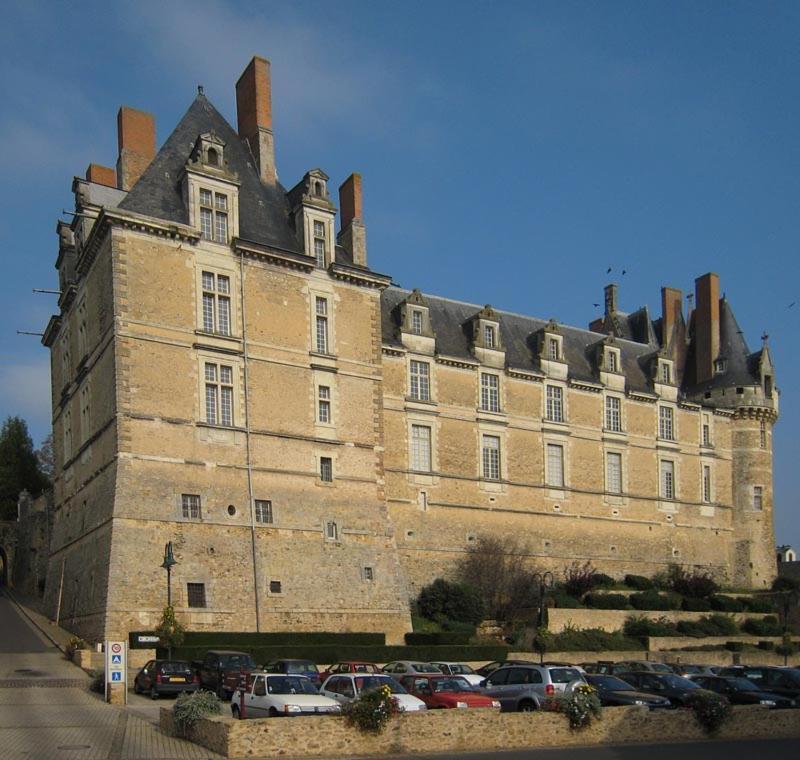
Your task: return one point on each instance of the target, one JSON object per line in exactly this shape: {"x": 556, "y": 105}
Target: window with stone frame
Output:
{"x": 331, "y": 531}
{"x": 666, "y": 423}
{"x": 216, "y": 303}
{"x": 219, "y": 394}
{"x": 490, "y": 456}
{"x": 82, "y": 330}
{"x": 613, "y": 414}
{"x": 66, "y": 425}
{"x": 420, "y": 381}
{"x": 416, "y": 322}
{"x": 762, "y": 432}
{"x": 553, "y": 349}
{"x": 554, "y": 408}
{"x": 614, "y": 472}
{"x": 326, "y": 469}
{"x": 324, "y": 404}
{"x": 421, "y": 448}
{"x": 707, "y": 483}
{"x": 196, "y": 594}
{"x": 66, "y": 359}
{"x": 667, "y": 479}
{"x": 489, "y": 336}
{"x": 86, "y": 411}
{"x": 490, "y": 392}
{"x": 322, "y": 337}
{"x": 555, "y": 465}
{"x": 320, "y": 243}
{"x": 705, "y": 438}
{"x": 664, "y": 372}
{"x": 190, "y": 506}
{"x": 758, "y": 498}
{"x": 263, "y": 510}
{"x": 213, "y": 216}
{"x": 275, "y": 587}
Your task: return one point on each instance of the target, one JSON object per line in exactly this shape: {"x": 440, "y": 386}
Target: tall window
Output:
{"x": 67, "y": 431}
{"x": 667, "y": 479}
{"x": 666, "y": 423}
{"x": 331, "y": 531}
{"x": 758, "y": 498}
{"x": 614, "y": 472}
{"x": 190, "y": 506}
{"x": 420, "y": 380}
{"x": 66, "y": 361}
{"x": 552, "y": 349}
{"x": 665, "y": 373}
{"x": 555, "y": 465}
{"x": 490, "y": 392}
{"x": 491, "y": 457}
{"x": 706, "y": 431}
{"x": 611, "y": 361}
{"x": 555, "y": 403}
{"x": 763, "y": 434}
{"x": 322, "y": 324}
{"x": 614, "y": 414}
{"x": 82, "y": 330}
{"x": 326, "y": 469}
{"x": 213, "y": 216}
{"x": 421, "y": 448}
{"x": 324, "y": 404}
{"x": 196, "y": 594}
{"x": 216, "y": 303}
{"x": 219, "y": 394}
{"x": 319, "y": 243}
{"x": 489, "y": 337}
{"x": 707, "y": 483}
{"x": 263, "y": 511}
{"x": 85, "y": 411}
{"x": 416, "y": 322}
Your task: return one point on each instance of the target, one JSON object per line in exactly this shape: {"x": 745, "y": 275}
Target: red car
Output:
{"x": 446, "y": 692}
{"x": 350, "y": 666}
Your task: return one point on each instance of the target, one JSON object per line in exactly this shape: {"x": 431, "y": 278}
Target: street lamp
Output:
{"x": 167, "y": 564}
{"x": 546, "y": 582}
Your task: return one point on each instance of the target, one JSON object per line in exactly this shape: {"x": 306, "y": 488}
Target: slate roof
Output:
{"x": 263, "y": 209}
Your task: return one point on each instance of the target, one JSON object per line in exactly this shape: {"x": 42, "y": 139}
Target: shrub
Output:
{"x": 640, "y": 626}
{"x": 607, "y": 601}
{"x": 726, "y": 603}
{"x": 580, "y": 578}
{"x": 768, "y": 626}
{"x": 638, "y": 582}
{"x": 767, "y": 646}
{"x": 758, "y": 604}
{"x": 169, "y": 631}
{"x": 694, "y": 583}
{"x": 563, "y": 600}
{"x": 710, "y": 710}
{"x": 371, "y": 711}
{"x": 734, "y": 646}
{"x": 696, "y": 605}
{"x": 590, "y": 640}
{"x": 455, "y": 601}
{"x": 709, "y": 625}
{"x": 652, "y": 600}
{"x": 75, "y": 643}
{"x": 189, "y": 708}
{"x": 601, "y": 580}
{"x": 581, "y": 706}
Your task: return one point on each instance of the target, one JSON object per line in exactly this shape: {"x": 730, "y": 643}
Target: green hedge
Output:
{"x": 437, "y": 638}
{"x": 759, "y": 604}
{"x": 696, "y": 605}
{"x": 641, "y": 627}
{"x": 768, "y": 626}
{"x": 723, "y": 603}
{"x": 638, "y": 582}
{"x": 333, "y": 653}
{"x": 652, "y": 600}
{"x": 241, "y": 640}
{"x": 592, "y": 640}
{"x": 709, "y": 625}
{"x": 607, "y": 601}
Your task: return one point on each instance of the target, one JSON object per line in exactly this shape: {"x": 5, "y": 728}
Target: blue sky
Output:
{"x": 511, "y": 151}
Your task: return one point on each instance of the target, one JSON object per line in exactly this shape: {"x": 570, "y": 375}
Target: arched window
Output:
{"x": 318, "y": 189}
{"x": 213, "y": 157}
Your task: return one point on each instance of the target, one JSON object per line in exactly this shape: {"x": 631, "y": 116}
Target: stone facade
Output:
{"x": 231, "y": 377}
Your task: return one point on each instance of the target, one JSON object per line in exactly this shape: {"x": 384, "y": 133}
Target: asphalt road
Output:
{"x": 17, "y": 635}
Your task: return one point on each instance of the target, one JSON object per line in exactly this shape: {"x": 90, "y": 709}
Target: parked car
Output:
{"x": 221, "y": 671}
{"x": 446, "y": 692}
{"x": 676, "y": 689}
{"x": 523, "y": 688}
{"x": 345, "y": 687}
{"x": 783, "y": 681}
{"x": 460, "y": 669}
{"x": 613, "y": 692}
{"x": 270, "y": 695}
{"x": 637, "y": 666}
{"x": 602, "y": 667}
{"x": 159, "y": 677}
{"x": 490, "y": 667}
{"x": 407, "y": 667}
{"x": 740, "y": 691}
{"x": 295, "y": 667}
{"x": 691, "y": 671}
{"x": 350, "y": 666}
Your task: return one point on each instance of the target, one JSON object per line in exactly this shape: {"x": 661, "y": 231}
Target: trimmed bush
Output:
{"x": 734, "y": 646}
{"x": 759, "y": 604}
{"x": 710, "y": 710}
{"x": 722, "y": 603}
{"x": 708, "y": 625}
{"x": 694, "y": 583}
{"x": 768, "y": 626}
{"x": 601, "y": 580}
{"x": 607, "y": 601}
{"x": 640, "y": 627}
{"x": 696, "y": 605}
{"x": 242, "y": 640}
{"x": 437, "y": 639}
{"x": 638, "y": 582}
{"x": 454, "y": 601}
{"x": 590, "y": 640}
{"x": 189, "y": 708}
{"x": 767, "y": 646}
{"x": 652, "y": 600}
{"x": 563, "y": 600}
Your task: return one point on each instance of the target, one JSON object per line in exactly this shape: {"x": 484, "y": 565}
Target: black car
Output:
{"x": 221, "y": 671}
{"x": 675, "y": 688}
{"x": 740, "y": 691}
{"x": 613, "y": 692}
{"x": 783, "y": 681}
{"x": 159, "y": 677}
{"x": 490, "y": 667}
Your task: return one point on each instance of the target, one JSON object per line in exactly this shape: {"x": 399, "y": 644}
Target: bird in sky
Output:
{"x": 792, "y": 304}
{"x": 608, "y": 271}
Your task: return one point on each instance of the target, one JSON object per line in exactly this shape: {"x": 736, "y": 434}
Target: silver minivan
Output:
{"x": 523, "y": 688}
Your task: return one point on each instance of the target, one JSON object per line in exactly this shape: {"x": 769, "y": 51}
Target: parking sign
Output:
{"x": 117, "y": 663}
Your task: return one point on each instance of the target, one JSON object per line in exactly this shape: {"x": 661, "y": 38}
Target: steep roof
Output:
{"x": 263, "y": 209}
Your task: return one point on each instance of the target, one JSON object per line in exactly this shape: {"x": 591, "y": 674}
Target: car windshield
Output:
{"x": 678, "y": 682}
{"x": 694, "y": 669}
{"x": 237, "y": 661}
{"x": 368, "y": 683}
{"x": 174, "y": 667}
{"x": 460, "y": 669}
{"x": 365, "y": 667}
{"x": 290, "y": 685}
{"x": 742, "y": 684}
{"x": 610, "y": 682}
{"x": 301, "y": 666}
{"x": 660, "y": 667}
{"x": 564, "y": 675}
{"x": 450, "y": 684}
{"x": 425, "y": 667}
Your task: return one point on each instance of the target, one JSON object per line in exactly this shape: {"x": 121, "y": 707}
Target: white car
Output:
{"x": 270, "y": 695}
{"x": 460, "y": 669}
{"x": 345, "y": 687}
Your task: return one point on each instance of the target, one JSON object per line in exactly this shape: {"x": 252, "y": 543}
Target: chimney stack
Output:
{"x": 353, "y": 236}
{"x": 136, "y": 137}
{"x": 254, "y": 116}
{"x": 101, "y": 175}
{"x": 671, "y": 314}
{"x": 610, "y": 292}
{"x": 706, "y": 325}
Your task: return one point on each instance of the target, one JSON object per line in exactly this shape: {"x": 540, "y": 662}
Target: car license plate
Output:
{"x": 177, "y": 680}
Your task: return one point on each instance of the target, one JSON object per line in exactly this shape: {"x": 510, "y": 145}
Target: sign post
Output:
{"x": 116, "y": 672}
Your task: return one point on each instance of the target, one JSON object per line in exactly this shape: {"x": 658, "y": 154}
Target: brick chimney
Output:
{"x": 671, "y": 313}
{"x": 254, "y": 116}
{"x": 101, "y": 175}
{"x": 706, "y": 325}
{"x": 353, "y": 236}
{"x": 136, "y": 137}
{"x": 610, "y": 293}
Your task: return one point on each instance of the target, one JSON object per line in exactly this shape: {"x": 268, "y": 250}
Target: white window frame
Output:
{"x": 666, "y": 423}
{"x": 706, "y": 483}
{"x": 191, "y": 506}
{"x": 554, "y": 403}
{"x": 490, "y": 392}
{"x": 216, "y": 302}
{"x": 419, "y": 382}
{"x": 490, "y": 336}
{"x": 612, "y": 487}
{"x": 667, "y": 480}
{"x": 612, "y": 417}
{"x": 665, "y": 375}
{"x": 214, "y": 204}
{"x": 421, "y": 450}
{"x": 417, "y": 322}
{"x": 758, "y": 498}
{"x": 320, "y": 242}
{"x": 553, "y": 349}
{"x": 331, "y": 530}
{"x": 491, "y": 457}
{"x": 555, "y": 476}
{"x": 219, "y": 382}
{"x": 263, "y": 511}
{"x": 322, "y": 325}
{"x": 706, "y": 435}
{"x": 323, "y": 463}
{"x": 324, "y": 405}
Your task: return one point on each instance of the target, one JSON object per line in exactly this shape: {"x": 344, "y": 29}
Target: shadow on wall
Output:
{"x": 3, "y": 567}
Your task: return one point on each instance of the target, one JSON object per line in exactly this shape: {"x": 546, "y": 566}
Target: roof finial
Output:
{"x": 200, "y": 89}
{"x": 764, "y": 337}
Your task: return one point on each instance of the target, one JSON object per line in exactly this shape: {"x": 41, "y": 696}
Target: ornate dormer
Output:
{"x": 662, "y": 375}
{"x": 608, "y": 360}
{"x": 65, "y": 263}
{"x": 550, "y": 349}
{"x": 485, "y": 337}
{"x": 313, "y": 214}
{"x": 416, "y": 331}
{"x": 211, "y": 190}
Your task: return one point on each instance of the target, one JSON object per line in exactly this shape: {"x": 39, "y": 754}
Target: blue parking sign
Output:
{"x": 116, "y": 659}
{"x": 116, "y": 676}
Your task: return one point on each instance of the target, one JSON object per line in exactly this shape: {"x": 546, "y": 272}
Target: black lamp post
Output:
{"x": 546, "y": 582}
{"x": 167, "y": 564}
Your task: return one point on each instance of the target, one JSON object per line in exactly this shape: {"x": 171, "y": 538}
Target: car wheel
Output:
{"x": 527, "y": 705}
{"x": 273, "y": 713}
{"x": 153, "y": 693}
{"x": 235, "y": 711}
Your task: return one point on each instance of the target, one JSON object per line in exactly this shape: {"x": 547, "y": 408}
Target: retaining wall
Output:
{"x": 613, "y": 620}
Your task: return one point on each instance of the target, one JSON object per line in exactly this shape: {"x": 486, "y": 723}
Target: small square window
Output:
{"x": 196, "y": 594}
{"x": 331, "y": 531}
{"x": 190, "y": 506}
{"x": 274, "y": 587}
{"x": 326, "y": 469}
{"x": 263, "y": 511}
{"x": 368, "y": 573}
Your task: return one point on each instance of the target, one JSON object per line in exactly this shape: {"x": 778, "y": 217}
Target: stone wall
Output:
{"x": 613, "y": 620}
{"x": 471, "y": 730}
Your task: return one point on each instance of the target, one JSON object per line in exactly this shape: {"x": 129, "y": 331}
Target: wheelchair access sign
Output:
{"x": 116, "y": 662}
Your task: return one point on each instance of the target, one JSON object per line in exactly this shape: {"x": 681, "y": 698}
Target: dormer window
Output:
{"x": 416, "y": 322}
{"x": 319, "y": 189}
{"x": 320, "y": 243}
{"x": 213, "y": 216}
{"x": 489, "y": 336}
{"x": 612, "y": 362}
{"x": 664, "y": 372}
{"x": 553, "y": 349}
{"x": 212, "y": 157}
{"x": 720, "y": 365}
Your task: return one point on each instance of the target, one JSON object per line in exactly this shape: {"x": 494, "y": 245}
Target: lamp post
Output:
{"x": 167, "y": 564}
{"x": 546, "y": 582}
